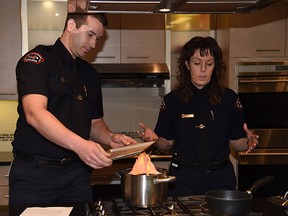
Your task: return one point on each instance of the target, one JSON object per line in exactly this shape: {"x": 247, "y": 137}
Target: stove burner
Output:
{"x": 196, "y": 205}
{"x": 170, "y": 207}
{"x": 181, "y": 206}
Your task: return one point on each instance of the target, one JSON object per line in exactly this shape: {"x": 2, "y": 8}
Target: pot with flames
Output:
{"x": 144, "y": 189}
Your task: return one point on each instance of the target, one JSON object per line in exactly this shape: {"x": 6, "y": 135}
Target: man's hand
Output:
{"x": 119, "y": 140}
{"x": 93, "y": 155}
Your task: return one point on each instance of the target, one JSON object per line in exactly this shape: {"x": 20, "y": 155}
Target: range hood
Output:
{"x": 152, "y": 75}
{"x": 170, "y": 6}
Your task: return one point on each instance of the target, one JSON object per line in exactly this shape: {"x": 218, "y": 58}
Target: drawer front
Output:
{"x": 4, "y": 174}
{"x": 4, "y": 197}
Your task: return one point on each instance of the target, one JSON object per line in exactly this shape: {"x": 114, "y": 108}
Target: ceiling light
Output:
{"x": 165, "y": 6}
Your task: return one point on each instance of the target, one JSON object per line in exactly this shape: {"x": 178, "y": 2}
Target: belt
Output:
{"x": 44, "y": 161}
{"x": 213, "y": 167}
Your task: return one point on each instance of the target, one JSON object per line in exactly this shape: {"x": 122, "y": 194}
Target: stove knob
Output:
{"x": 103, "y": 213}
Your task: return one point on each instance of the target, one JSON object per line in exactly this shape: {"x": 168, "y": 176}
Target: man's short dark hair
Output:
{"x": 81, "y": 18}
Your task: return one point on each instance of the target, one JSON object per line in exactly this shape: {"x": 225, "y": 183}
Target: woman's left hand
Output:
{"x": 252, "y": 139}
{"x": 148, "y": 134}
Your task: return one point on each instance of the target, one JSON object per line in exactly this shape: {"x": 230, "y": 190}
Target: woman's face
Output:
{"x": 201, "y": 68}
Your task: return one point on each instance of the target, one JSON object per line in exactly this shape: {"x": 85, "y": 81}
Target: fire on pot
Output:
{"x": 144, "y": 185}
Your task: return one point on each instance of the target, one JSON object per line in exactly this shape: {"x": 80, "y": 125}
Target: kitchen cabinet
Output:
{"x": 248, "y": 37}
{"x": 287, "y": 30}
{"x": 260, "y": 34}
{"x": 132, "y": 38}
{"x": 10, "y": 47}
{"x": 4, "y": 188}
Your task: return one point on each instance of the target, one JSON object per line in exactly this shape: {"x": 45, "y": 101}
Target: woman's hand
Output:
{"x": 147, "y": 134}
{"x": 252, "y": 139}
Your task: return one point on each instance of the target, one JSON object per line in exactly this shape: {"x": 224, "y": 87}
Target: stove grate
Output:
{"x": 180, "y": 206}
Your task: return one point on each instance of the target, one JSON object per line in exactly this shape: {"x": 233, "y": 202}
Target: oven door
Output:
{"x": 264, "y": 97}
{"x": 260, "y": 163}
{"x": 265, "y": 103}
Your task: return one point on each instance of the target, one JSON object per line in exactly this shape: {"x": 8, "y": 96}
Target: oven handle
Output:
{"x": 264, "y": 154}
{"x": 262, "y": 81}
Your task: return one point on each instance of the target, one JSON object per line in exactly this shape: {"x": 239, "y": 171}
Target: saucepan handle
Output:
{"x": 162, "y": 180}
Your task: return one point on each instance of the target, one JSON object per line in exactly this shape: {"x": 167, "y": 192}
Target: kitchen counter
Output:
{"x": 259, "y": 204}
{"x": 78, "y": 210}
{"x": 6, "y": 158}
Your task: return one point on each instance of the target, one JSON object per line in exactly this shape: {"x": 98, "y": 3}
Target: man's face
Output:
{"x": 85, "y": 38}
{"x": 201, "y": 68}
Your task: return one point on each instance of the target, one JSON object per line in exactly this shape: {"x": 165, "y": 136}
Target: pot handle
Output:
{"x": 162, "y": 180}
{"x": 118, "y": 174}
{"x": 261, "y": 182}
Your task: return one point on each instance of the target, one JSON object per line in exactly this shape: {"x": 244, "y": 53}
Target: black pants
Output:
{"x": 191, "y": 181}
{"x": 33, "y": 183}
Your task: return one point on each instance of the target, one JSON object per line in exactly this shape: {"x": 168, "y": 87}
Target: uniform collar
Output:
{"x": 67, "y": 57}
{"x": 204, "y": 89}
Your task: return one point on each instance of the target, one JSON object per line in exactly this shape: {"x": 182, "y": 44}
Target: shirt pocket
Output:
{"x": 61, "y": 86}
{"x": 185, "y": 124}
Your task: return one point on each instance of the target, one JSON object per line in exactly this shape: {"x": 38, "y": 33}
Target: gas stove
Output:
{"x": 190, "y": 205}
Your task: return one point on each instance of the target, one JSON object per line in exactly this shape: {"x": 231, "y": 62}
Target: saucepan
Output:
{"x": 145, "y": 190}
{"x": 281, "y": 201}
{"x": 232, "y": 202}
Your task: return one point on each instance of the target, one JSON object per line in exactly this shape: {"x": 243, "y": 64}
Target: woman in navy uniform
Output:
{"x": 60, "y": 126}
{"x": 201, "y": 120}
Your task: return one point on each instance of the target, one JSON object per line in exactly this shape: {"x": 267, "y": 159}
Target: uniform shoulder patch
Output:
{"x": 33, "y": 57}
{"x": 163, "y": 106}
{"x": 238, "y": 104}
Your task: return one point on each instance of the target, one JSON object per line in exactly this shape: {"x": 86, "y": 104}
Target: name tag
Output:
{"x": 187, "y": 116}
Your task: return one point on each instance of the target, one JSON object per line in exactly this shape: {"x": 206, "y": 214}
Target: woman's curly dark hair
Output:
{"x": 215, "y": 88}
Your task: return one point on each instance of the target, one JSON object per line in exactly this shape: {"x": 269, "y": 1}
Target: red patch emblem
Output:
{"x": 33, "y": 57}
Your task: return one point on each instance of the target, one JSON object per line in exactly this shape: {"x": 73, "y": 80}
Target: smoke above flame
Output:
{"x": 143, "y": 165}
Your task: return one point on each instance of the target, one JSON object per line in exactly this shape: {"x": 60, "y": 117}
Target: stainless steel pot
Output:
{"x": 145, "y": 190}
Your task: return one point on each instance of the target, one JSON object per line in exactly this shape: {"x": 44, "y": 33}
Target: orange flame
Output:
{"x": 143, "y": 165}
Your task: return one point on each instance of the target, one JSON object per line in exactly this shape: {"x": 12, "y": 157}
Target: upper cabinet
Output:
{"x": 260, "y": 34}
{"x": 132, "y": 38}
{"x": 287, "y": 30}
{"x": 10, "y": 47}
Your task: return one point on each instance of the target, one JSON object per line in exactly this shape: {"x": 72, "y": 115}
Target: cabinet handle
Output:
{"x": 138, "y": 57}
{"x": 263, "y": 81}
{"x": 6, "y": 196}
{"x": 268, "y": 50}
{"x": 6, "y": 176}
{"x": 105, "y": 57}
{"x": 4, "y": 93}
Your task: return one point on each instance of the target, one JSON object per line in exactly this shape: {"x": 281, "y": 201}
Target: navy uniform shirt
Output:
{"x": 177, "y": 121}
{"x": 73, "y": 89}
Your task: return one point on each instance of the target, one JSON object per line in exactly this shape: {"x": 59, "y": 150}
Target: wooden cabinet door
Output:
{"x": 258, "y": 34}
{"x": 142, "y": 46}
{"x": 131, "y": 38}
{"x": 142, "y": 38}
{"x": 286, "y": 54}
{"x": 10, "y": 47}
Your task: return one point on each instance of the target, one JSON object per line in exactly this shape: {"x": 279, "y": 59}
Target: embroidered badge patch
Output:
{"x": 238, "y": 104}
{"x": 33, "y": 57}
{"x": 163, "y": 106}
